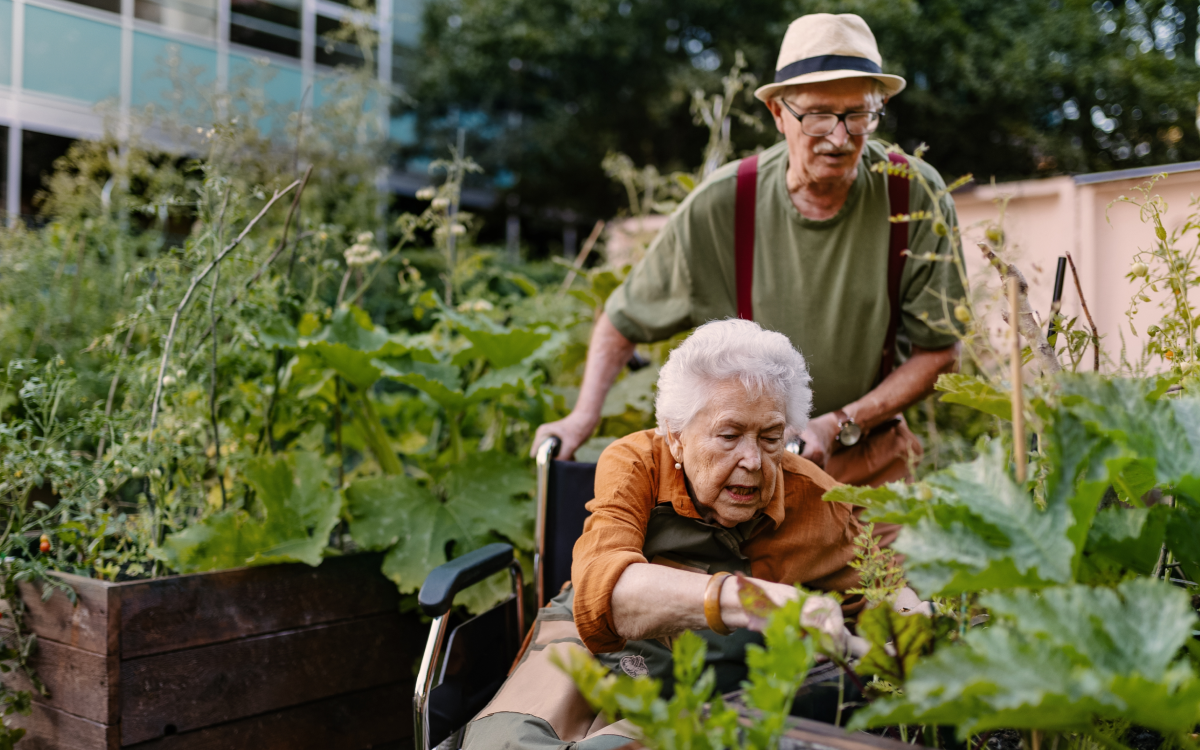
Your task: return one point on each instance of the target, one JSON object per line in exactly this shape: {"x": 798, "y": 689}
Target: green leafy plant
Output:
{"x": 694, "y": 718}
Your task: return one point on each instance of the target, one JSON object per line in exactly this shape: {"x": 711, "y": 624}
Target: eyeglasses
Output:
{"x": 819, "y": 124}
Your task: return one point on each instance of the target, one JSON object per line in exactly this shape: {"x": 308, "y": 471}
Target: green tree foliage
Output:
{"x": 1009, "y": 90}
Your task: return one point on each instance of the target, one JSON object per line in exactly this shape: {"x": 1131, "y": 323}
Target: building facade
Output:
{"x": 64, "y": 64}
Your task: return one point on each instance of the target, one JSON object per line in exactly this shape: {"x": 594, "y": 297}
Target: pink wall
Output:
{"x": 1047, "y": 218}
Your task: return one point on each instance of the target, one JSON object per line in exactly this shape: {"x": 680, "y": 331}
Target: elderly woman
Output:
{"x": 711, "y": 492}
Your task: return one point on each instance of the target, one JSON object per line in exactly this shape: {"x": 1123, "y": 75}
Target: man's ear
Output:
{"x": 675, "y": 446}
{"x": 777, "y": 113}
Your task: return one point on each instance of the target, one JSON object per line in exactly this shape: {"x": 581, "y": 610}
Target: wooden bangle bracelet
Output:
{"x": 712, "y": 604}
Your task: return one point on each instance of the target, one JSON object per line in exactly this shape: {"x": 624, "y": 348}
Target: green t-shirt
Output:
{"x": 823, "y": 284}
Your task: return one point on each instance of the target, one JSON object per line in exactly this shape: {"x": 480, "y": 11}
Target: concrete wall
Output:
{"x": 1044, "y": 219}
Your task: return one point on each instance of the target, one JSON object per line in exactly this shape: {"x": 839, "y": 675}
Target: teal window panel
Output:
{"x": 277, "y": 87}
{"x": 69, "y": 56}
{"x": 403, "y": 129}
{"x": 6, "y": 42}
{"x": 406, "y": 22}
{"x": 152, "y": 77}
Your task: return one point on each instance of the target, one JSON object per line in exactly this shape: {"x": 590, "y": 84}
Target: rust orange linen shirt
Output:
{"x": 805, "y": 539}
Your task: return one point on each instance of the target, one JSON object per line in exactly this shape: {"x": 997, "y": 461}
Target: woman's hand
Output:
{"x": 908, "y": 603}
{"x": 825, "y": 614}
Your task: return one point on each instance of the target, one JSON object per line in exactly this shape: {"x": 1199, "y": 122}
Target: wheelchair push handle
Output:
{"x": 446, "y": 580}
{"x": 548, "y": 450}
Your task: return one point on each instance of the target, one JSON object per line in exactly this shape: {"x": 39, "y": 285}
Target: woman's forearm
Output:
{"x": 654, "y": 601}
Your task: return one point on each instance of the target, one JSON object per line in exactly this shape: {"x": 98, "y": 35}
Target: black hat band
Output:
{"x": 822, "y": 63}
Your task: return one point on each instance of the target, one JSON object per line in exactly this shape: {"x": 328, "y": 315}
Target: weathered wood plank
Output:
{"x": 353, "y": 721}
{"x": 84, "y": 626}
{"x": 50, "y": 729}
{"x": 804, "y": 733}
{"x": 78, "y": 680}
{"x": 168, "y": 614}
{"x": 182, "y": 691}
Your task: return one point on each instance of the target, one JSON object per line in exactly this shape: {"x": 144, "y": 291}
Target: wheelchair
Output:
{"x": 466, "y": 662}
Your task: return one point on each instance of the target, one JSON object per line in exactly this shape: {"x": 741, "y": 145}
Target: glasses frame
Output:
{"x": 840, "y": 117}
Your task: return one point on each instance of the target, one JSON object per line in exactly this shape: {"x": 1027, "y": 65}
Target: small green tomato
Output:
{"x": 1139, "y": 269}
{"x": 962, "y": 313}
{"x": 940, "y": 229}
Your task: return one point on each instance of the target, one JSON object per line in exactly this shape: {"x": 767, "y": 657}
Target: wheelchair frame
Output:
{"x": 448, "y": 579}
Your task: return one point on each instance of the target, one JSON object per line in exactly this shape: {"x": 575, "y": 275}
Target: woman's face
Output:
{"x": 731, "y": 452}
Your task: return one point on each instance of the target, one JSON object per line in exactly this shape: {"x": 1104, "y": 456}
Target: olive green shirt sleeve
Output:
{"x": 655, "y": 300}
{"x": 932, "y": 285}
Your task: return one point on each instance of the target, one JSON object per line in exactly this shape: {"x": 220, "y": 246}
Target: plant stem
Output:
{"x": 1088, "y": 314}
{"x": 337, "y": 430}
{"x": 1024, "y": 321}
{"x": 112, "y": 390}
{"x": 375, "y": 435}
{"x": 1106, "y": 741}
{"x": 212, "y": 389}
{"x": 166, "y": 355}
{"x": 588, "y": 244}
{"x": 263, "y": 268}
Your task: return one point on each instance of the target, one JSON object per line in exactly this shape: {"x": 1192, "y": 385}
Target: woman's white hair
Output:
{"x": 724, "y": 350}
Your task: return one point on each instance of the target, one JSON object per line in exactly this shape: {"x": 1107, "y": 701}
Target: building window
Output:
{"x": 270, "y": 26}
{"x": 198, "y": 17}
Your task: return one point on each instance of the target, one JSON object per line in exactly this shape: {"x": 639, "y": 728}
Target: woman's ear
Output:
{"x": 675, "y": 446}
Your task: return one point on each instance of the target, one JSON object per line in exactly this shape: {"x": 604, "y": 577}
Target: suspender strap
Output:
{"x": 743, "y": 239}
{"x": 898, "y": 186}
{"x": 743, "y": 235}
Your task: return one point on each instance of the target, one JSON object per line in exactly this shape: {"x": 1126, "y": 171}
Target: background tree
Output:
{"x": 1010, "y": 90}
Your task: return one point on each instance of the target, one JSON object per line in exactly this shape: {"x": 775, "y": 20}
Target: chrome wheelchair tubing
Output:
{"x": 433, "y": 650}
{"x": 795, "y": 445}
{"x": 433, "y": 654}
{"x": 545, "y": 454}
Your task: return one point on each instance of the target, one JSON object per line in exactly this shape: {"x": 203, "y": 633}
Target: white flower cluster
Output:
{"x": 361, "y": 253}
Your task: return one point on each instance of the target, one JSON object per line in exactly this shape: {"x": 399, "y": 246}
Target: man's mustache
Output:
{"x": 825, "y": 148}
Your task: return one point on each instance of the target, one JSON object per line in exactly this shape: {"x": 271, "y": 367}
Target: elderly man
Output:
{"x": 810, "y": 217}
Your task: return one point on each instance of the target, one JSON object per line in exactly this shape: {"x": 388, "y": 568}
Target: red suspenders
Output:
{"x": 743, "y": 241}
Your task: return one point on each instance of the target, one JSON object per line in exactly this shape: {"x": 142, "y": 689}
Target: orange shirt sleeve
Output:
{"x": 613, "y": 537}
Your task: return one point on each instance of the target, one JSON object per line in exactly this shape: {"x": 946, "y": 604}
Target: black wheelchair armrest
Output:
{"x": 446, "y": 580}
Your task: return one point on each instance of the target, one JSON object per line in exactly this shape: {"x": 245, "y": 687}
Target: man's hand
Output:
{"x": 573, "y": 430}
{"x": 608, "y": 352}
{"x": 820, "y": 438}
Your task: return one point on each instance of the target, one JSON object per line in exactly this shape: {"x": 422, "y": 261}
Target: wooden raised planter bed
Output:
{"x": 283, "y": 656}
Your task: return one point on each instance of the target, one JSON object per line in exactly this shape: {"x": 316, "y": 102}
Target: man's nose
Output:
{"x": 839, "y": 135}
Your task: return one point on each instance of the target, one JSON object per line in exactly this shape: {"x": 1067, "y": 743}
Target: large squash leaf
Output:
{"x": 1059, "y": 659}
{"x": 485, "y": 497}
{"x": 502, "y": 347}
{"x": 299, "y": 510}
{"x": 350, "y": 343}
{"x": 982, "y": 531}
{"x": 976, "y": 393}
{"x": 1123, "y": 540}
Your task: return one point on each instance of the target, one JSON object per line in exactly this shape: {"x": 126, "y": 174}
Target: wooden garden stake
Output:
{"x": 579, "y": 260}
{"x": 1018, "y": 412}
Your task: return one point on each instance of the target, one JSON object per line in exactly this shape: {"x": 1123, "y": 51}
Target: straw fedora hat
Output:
{"x": 825, "y": 47}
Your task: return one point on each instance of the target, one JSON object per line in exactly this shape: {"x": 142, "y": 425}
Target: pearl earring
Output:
{"x": 678, "y": 465}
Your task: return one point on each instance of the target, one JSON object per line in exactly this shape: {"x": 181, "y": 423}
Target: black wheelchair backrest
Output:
{"x": 564, "y": 487}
